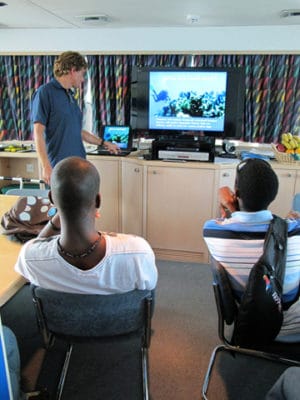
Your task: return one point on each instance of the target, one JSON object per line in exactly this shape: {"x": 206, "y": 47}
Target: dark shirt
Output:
{"x": 57, "y": 109}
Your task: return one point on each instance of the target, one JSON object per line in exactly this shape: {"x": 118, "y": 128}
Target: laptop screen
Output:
{"x": 5, "y": 384}
{"x": 120, "y": 135}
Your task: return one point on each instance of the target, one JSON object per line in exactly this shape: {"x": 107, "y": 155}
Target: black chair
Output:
{"x": 75, "y": 318}
{"x": 227, "y": 309}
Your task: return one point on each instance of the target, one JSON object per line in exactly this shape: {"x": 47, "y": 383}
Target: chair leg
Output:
{"x": 209, "y": 370}
{"x": 145, "y": 373}
{"x": 64, "y": 372}
{"x": 240, "y": 350}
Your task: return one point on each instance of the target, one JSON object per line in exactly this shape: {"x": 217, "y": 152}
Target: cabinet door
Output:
{"x": 109, "y": 190}
{"x": 14, "y": 165}
{"x": 179, "y": 200}
{"x": 227, "y": 178}
{"x": 283, "y": 202}
{"x": 297, "y": 182}
{"x": 132, "y": 198}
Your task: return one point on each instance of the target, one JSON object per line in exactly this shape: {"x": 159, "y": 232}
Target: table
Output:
{"x": 10, "y": 281}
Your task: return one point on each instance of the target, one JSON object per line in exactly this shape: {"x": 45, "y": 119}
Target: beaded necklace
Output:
{"x": 85, "y": 252}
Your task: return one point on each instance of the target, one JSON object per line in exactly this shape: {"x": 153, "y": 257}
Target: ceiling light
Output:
{"x": 94, "y": 19}
{"x": 290, "y": 13}
{"x": 192, "y": 19}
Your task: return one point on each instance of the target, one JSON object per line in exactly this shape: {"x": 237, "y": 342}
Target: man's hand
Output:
{"x": 46, "y": 173}
{"x": 111, "y": 147}
{"x": 228, "y": 201}
{"x": 293, "y": 215}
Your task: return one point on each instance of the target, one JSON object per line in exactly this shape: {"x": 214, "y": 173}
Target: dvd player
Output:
{"x": 191, "y": 149}
{"x": 183, "y": 155}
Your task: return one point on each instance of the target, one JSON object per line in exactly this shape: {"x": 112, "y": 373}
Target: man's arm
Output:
{"x": 52, "y": 228}
{"x": 40, "y": 145}
{"x": 228, "y": 202}
{"x": 92, "y": 139}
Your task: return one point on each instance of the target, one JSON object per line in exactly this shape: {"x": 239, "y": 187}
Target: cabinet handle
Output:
{"x": 136, "y": 170}
{"x": 289, "y": 175}
{"x": 154, "y": 172}
{"x": 225, "y": 174}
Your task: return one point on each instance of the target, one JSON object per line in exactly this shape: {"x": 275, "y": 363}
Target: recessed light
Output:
{"x": 192, "y": 19}
{"x": 290, "y": 13}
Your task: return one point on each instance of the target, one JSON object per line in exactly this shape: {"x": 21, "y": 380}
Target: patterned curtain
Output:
{"x": 272, "y": 103}
{"x": 109, "y": 89}
{"x": 20, "y": 76}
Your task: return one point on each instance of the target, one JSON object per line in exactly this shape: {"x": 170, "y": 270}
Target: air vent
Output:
{"x": 94, "y": 19}
{"x": 290, "y": 13}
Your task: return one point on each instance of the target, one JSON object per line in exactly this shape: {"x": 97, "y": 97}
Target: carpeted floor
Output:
{"x": 185, "y": 331}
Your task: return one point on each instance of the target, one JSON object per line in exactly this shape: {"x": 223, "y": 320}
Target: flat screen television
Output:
{"x": 198, "y": 101}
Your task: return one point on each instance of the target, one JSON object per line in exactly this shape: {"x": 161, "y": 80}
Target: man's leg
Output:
{"x": 287, "y": 386}
{"x": 13, "y": 360}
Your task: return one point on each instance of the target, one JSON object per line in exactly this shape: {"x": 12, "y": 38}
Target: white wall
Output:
{"x": 267, "y": 39}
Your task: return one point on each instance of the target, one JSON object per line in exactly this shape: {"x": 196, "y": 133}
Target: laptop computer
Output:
{"x": 121, "y": 135}
{"x": 5, "y": 383}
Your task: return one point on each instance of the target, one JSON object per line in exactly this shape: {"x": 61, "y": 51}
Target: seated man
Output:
{"x": 70, "y": 255}
{"x": 236, "y": 240}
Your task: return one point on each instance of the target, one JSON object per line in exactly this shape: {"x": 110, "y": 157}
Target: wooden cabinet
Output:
{"x": 26, "y": 166}
{"x": 179, "y": 201}
{"x": 287, "y": 180}
{"x": 223, "y": 177}
{"x": 297, "y": 182}
{"x": 167, "y": 203}
{"x": 132, "y": 197}
{"x": 109, "y": 171}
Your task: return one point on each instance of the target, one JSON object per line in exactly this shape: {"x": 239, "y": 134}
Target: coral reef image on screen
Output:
{"x": 187, "y": 100}
{"x": 117, "y": 134}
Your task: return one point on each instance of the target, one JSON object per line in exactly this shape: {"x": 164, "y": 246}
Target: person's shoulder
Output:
{"x": 217, "y": 223}
{"x": 47, "y": 87}
{"x": 294, "y": 225}
{"x": 39, "y": 246}
{"x": 127, "y": 242}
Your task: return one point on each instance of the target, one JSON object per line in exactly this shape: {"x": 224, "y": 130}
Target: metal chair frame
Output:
{"x": 227, "y": 309}
{"x": 51, "y": 325}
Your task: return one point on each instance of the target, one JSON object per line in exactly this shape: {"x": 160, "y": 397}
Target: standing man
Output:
{"x": 57, "y": 118}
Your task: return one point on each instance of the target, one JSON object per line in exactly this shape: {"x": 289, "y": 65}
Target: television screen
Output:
{"x": 200, "y": 101}
{"x": 187, "y": 100}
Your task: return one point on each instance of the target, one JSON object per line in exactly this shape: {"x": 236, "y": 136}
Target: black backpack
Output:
{"x": 260, "y": 312}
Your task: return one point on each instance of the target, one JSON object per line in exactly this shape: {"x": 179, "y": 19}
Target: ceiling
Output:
{"x": 141, "y": 13}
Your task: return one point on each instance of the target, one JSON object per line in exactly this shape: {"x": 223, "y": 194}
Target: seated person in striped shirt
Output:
{"x": 236, "y": 239}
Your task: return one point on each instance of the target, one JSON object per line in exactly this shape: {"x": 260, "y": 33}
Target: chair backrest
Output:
{"x": 84, "y": 315}
{"x": 28, "y": 192}
{"x": 226, "y": 304}
{"x": 296, "y": 202}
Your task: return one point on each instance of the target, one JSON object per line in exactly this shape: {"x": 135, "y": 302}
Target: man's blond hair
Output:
{"x": 68, "y": 60}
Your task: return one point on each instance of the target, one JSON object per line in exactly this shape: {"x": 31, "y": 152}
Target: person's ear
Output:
{"x": 98, "y": 200}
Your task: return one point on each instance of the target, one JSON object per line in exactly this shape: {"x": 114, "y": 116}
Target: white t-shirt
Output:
{"x": 129, "y": 263}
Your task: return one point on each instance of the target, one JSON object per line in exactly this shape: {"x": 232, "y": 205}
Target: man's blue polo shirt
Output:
{"x": 57, "y": 109}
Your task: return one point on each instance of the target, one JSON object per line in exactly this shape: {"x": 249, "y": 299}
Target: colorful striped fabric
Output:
{"x": 272, "y": 104}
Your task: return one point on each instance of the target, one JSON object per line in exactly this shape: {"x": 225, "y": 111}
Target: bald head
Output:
{"x": 75, "y": 184}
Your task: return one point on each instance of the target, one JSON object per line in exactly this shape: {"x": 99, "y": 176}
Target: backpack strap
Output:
{"x": 275, "y": 247}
